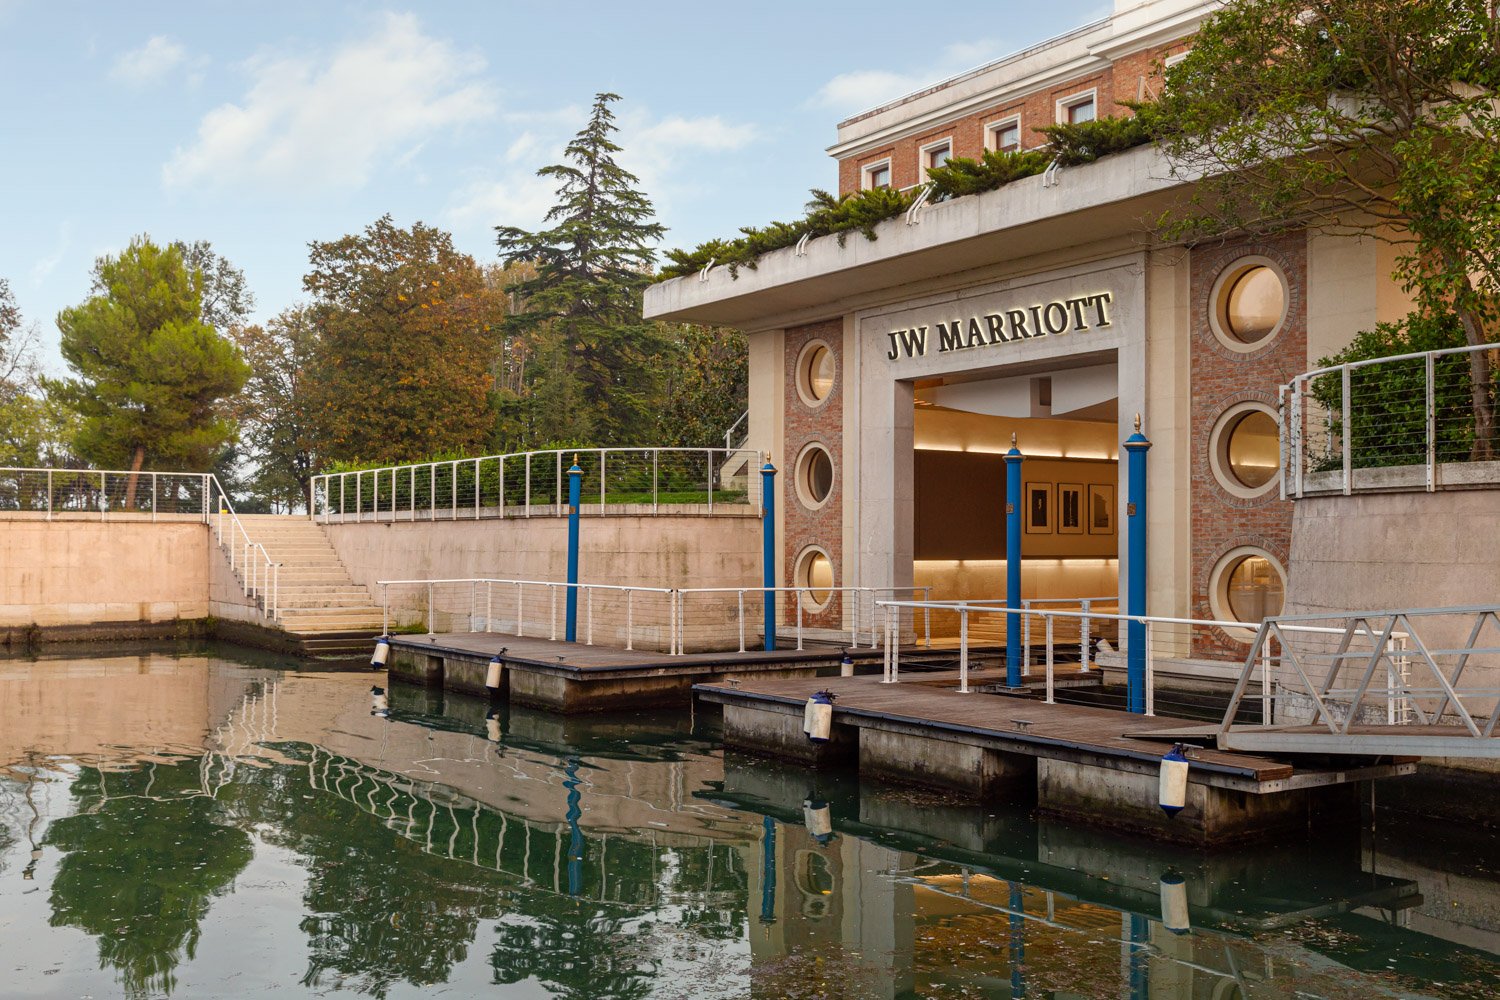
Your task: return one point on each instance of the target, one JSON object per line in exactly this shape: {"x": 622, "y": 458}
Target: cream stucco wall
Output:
{"x": 75, "y": 572}
{"x": 665, "y": 551}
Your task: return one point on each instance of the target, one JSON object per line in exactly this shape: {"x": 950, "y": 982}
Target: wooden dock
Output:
{"x": 575, "y": 677}
{"x": 1095, "y": 764}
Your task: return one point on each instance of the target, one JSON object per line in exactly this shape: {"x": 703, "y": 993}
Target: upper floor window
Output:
{"x": 936, "y": 154}
{"x": 1004, "y": 136}
{"x": 1078, "y": 108}
{"x": 1174, "y": 59}
{"x": 878, "y": 175}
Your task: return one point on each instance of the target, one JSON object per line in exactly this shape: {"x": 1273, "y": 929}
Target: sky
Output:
{"x": 263, "y": 126}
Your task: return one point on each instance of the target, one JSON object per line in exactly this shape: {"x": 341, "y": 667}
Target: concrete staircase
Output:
{"x": 318, "y": 602}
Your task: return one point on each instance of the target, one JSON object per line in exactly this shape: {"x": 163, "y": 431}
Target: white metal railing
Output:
{"x": 108, "y": 494}
{"x": 1165, "y": 637}
{"x": 1402, "y": 422}
{"x": 810, "y": 613}
{"x": 535, "y": 483}
{"x": 1413, "y": 667}
{"x": 735, "y": 436}
{"x": 668, "y": 619}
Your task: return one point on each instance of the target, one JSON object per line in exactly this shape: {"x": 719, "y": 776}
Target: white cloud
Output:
{"x": 149, "y": 63}
{"x": 328, "y": 121}
{"x": 862, "y": 89}
{"x": 44, "y": 266}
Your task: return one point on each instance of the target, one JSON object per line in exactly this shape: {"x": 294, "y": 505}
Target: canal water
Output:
{"x": 210, "y": 823}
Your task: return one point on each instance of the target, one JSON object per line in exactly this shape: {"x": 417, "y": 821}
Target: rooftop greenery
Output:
{"x": 862, "y": 211}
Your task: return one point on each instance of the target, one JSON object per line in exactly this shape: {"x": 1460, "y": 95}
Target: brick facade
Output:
{"x": 803, "y": 526}
{"x": 1131, "y": 78}
{"x": 1222, "y": 377}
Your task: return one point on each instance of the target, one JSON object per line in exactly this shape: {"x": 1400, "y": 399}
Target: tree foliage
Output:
{"x": 277, "y": 429}
{"x": 594, "y": 376}
{"x": 405, "y": 329}
{"x": 1368, "y": 117}
{"x": 706, "y": 384}
{"x": 150, "y": 378}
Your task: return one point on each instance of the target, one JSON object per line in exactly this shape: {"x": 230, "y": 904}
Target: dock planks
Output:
{"x": 1024, "y": 725}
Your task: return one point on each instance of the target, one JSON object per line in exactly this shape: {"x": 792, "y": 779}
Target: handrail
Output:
{"x": 964, "y": 609}
{"x": 677, "y": 606}
{"x": 534, "y": 483}
{"x": 1374, "y": 426}
{"x": 729, "y": 440}
{"x": 260, "y": 578}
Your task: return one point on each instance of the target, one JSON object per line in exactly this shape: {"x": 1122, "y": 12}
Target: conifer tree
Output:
{"x": 150, "y": 377}
{"x": 595, "y": 375}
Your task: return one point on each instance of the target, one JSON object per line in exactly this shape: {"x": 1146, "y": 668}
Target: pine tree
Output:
{"x": 595, "y": 373}
{"x": 150, "y": 376}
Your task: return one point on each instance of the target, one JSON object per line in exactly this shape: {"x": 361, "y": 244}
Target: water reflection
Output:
{"x": 270, "y": 832}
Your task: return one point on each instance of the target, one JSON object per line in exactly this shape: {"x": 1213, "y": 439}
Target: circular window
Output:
{"x": 814, "y": 475}
{"x": 815, "y": 578}
{"x": 815, "y": 372}
{"x": 1249, "y": 303}
{"x": 1245, "y": 450}
{"x": 1248, "y": 585}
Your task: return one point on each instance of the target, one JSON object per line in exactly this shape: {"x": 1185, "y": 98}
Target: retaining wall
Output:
{"x": 90, "y": 578}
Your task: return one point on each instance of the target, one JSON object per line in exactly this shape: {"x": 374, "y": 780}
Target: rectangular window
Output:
{"x": 878, "y": 175}
{"x": 1077, "y": 108}
{"x": 936, "y": 154}
{"x": 1173, "y": 60}
{"x": 1004, "y": 136}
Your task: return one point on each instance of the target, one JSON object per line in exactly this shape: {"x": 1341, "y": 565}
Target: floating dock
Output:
{"x": 1095, "y": 765}
{"x": 572, "y": 677}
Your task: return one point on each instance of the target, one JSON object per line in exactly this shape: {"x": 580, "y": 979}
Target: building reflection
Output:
{"x": 443, "y": 833}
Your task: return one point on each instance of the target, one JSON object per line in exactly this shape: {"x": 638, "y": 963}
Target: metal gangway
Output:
{"x": 1343, "y": 687}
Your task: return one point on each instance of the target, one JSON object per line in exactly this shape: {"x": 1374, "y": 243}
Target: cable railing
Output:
{"x": 672, "y": 620}
{"x": 124, "y": 495}
{"x": 1405, "y": 422}
{"x": 1164, "y": 639}
{"x": 616, "y": 481}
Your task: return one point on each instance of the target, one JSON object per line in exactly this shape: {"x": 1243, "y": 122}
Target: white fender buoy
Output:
{"x": 379, "y": 704}
{"x": 846, "y": 665}
{"x": 818, "y": 819}
{"x": 1172, "y": 794}
{"x": 817, "y": 717}
{"x": 382, "y": 652}
{"x": 492, "y": 674}
{"x": 1174, "y": 903}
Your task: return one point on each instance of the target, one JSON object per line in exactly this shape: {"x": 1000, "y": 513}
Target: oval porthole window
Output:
{"x": 1249, "y": 303}
{"x": 814, "y": 475}
{"x": 815, "y": 578}
{"x": 1249, "y": 586}
{"x": 1245, "y": 449}
{"x": 815, "y": 372}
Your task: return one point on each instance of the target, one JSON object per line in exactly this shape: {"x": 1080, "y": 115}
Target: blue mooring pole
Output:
{"x": 768, "y": 548}
{"x": 1013, "y": 460}
{"x": 1136, "y": 447}
{"x": 575, "y": 486}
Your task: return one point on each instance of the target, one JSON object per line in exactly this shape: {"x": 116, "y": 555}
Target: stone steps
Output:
{"x": 317, "y": 601}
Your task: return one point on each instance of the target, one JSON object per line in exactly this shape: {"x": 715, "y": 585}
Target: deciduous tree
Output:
{"x": 273, "y": 409}
{"x": 1358, "y": 117}
{"x": 405, "y": 333}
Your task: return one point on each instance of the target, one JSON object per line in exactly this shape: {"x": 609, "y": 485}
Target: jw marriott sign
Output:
{"x": 1043, "y": 319}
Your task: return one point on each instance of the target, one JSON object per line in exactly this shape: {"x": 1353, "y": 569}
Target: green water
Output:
{"x": 208, "y": 824}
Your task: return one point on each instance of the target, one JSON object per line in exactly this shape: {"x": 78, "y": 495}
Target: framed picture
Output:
{"x": 1101, "y": 512}
{"x": 1070, "y": 508}
{"x": 1039, "y": 508}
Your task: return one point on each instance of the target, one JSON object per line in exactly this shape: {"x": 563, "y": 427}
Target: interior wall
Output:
{"x": 959, "y": 515}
